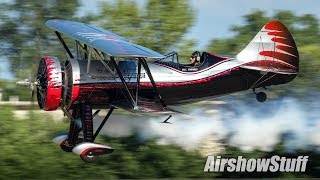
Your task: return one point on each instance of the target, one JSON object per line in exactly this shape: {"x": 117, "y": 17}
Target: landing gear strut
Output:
{"x": 82, "y": 120}
{"x": 261, "y": 96}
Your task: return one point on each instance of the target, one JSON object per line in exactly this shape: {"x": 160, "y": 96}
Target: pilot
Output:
{"x": 195, "y": 58}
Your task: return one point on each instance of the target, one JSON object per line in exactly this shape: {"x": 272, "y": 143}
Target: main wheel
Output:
{"x": 89, "y": 157}
{"x": 65, "y": 146}
{"x": 68, "y": 148}
{"x": 261, "y": 97}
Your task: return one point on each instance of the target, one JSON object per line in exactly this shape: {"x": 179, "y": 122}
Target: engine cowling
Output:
{"x": 49, "y": 85}
{"x": 68, "y": 83}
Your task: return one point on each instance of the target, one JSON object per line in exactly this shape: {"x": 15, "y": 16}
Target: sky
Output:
{"x": 215, "y": 17}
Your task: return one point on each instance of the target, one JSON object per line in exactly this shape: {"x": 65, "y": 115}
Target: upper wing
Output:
{"x": 103, "y": 40}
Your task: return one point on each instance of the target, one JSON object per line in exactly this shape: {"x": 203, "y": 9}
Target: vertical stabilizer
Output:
{"x": 272, "y": 49}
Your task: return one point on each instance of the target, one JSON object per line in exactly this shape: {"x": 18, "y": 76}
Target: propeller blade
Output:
{"x": 32, "y": 96}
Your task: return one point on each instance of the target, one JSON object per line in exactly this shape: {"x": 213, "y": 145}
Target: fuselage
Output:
{"x": 176, "y": 86}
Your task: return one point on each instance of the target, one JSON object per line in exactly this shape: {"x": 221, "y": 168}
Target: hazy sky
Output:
{"x": 215, "y": 17}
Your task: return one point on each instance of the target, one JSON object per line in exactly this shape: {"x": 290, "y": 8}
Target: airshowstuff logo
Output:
{"x": 240, "y": 164}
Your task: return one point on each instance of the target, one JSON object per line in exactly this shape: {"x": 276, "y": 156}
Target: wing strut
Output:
{"x": 64, "y": 45}
{"x": 129, "y": 96}
{"x": 146, "y": 68}
{"x": 138, "y": 82}
{"x": 89, "y": 60}
{"x": 103, "y": 122}
{"x": 128, "y": 93}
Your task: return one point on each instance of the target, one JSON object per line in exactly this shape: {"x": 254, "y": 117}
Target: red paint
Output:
{"x": 93, "y": 93}
{"x": 279, "y": 33}
{"x": 290, "y": 50}
{"x": 284, "y": 42}
{"x": 281, "y": 56}
{"x": 83, "y": 153}
{"x": 53, "y": 96}
{"x": 75, "y": 92}
{"x": 271, "y": 64}
{"x": 109, "y": 37}
{"x": 275, "y": 25}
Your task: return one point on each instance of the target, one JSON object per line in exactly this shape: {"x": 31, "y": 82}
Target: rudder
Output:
{"x": 272, "y": 50}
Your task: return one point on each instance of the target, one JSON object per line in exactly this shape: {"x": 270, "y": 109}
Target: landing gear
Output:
{"x": 62, "y": 140}
{"x": 89, "y": 158}
{"x": 261, "y": 96}
{"x": 82, "y": 118}
{"x": 65, "y": 146}
{"x": 89, "y": 152}
{"x": 83, "y": 145}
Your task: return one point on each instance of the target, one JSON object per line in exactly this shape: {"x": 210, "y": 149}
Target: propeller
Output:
{"x": 32, "y": 85}
{"x": 32, "y": 82}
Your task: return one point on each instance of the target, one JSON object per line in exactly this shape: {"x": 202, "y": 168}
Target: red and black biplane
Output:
{"x": 107, "y": 71}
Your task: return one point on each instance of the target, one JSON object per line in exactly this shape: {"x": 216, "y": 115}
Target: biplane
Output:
{"x": 106, "y": 71}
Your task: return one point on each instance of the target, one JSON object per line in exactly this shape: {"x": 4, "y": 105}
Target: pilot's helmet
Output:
{"x": 197, "y": 55}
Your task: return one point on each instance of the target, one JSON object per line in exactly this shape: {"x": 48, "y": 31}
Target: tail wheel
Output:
{"x": 261, "y": 97}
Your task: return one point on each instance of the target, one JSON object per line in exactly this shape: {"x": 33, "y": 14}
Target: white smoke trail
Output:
{"x": 257, "y": 126}
{"x": 186, "y": 131}
{"x": 263, "y": 132}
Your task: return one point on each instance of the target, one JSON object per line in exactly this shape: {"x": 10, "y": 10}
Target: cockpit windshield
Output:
{"x": 170, "y": 57}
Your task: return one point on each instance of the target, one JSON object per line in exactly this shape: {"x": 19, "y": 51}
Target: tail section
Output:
{"x": 271, "y": 50}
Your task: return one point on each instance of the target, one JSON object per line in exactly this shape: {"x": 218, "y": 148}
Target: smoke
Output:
{"x": 262, "y": 127}
{"x": 248, "y": 126}
{"x": 185, "y": 131}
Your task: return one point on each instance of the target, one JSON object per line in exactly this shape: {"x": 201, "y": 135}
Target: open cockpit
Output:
{"x": 206, "y": 60}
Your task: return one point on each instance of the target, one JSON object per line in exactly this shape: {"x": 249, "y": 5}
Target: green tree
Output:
{"x": 29, "y": 153}
{"x": 158, "y": 25}
{"x": 308, "y": 78}
{"x": 25, "y": 37}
